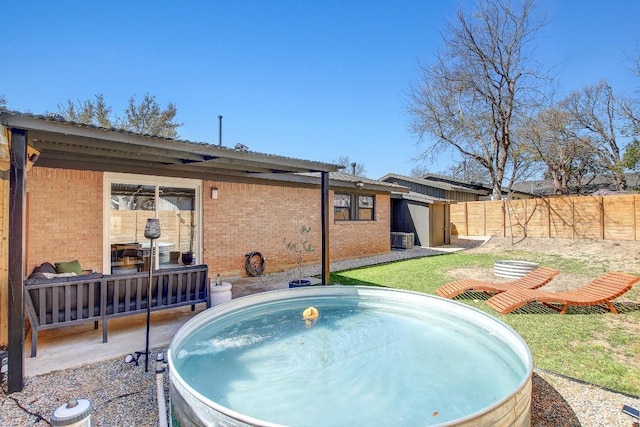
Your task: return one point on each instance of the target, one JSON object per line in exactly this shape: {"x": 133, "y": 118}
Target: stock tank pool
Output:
{"x": 365, "y": 356}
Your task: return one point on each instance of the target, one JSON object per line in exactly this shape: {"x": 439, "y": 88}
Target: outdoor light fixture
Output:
{"x": 133, "y": 358}
{"x": 32, "y": 156}
{"x": 359, "y": 184}
{"x": 214, "y": 192}
{"x": 151, "y": 232}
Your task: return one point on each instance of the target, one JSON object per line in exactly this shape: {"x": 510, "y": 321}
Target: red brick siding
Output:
{"x": 64, "y": 217}
{"x": 253, "y": 217}
{"x": 353, "y": 239}
{"x": 64, "y": 222}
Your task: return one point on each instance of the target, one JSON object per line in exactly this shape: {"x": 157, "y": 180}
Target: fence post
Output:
{"x": 601, "y": 205}
{"x": 484, "y": 219}
{"x": 573, "y": 218}
{"x": 635, "y": 224}
{"x": 466, "y": 217}
{"x": 505, "y": 212}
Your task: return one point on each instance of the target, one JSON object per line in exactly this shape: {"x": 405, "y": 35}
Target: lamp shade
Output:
{"x": 152, "y": 229}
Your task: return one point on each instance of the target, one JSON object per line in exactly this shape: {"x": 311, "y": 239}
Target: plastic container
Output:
{"x": 74, "y": 413}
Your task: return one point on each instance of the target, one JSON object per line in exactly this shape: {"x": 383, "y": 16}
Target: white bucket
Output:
{"x": 219, "y": 293}
{"x": 74, "y": 413}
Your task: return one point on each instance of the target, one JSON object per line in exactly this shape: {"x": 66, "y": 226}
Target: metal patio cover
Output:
{"x": 71, "y": 145}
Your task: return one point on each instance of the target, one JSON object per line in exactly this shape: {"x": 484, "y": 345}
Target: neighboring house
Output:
{"x": 601, "y": 184}
{"x": 81, "y": 192}
{"x": 424, "y": 211}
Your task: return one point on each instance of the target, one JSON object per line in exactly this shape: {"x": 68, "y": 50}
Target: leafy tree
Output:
{"x": 350, "y": 167}
{"x": 631, "y": 157}
{"x": 481, "y": 86}
{"x": 147, "y": 117}
{"x": 90, "y": 112}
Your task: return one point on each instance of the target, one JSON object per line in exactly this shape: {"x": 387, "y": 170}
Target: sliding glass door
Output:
{"x": 132, "y": 200}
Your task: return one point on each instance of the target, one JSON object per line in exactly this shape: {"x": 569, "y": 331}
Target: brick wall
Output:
{"x": 254, "y": 217}
{"x": 354, "y": 239}
{"x": 64, "y": 222}
{"x": 64, "y": 217}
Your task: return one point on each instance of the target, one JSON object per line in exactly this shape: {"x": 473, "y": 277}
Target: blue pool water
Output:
{"x": 365, "y": 361}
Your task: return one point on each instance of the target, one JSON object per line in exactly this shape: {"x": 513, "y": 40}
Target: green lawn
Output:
{"x": 586, "y": 344}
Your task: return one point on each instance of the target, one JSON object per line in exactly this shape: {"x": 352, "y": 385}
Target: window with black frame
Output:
{"x": 130, "y": 207}
{"x": 365, "y": 208}
{"x": 353, "y": 207}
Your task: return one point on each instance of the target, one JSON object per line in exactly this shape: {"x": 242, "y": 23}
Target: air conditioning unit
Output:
{"x": 402, "y": 240}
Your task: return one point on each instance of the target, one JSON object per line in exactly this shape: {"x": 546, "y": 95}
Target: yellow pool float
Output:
{"x": 310, "y": 315}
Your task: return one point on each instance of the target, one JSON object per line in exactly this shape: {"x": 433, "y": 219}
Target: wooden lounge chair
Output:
{"x": 533, "y": 280}
{"x": 601, "y": 290}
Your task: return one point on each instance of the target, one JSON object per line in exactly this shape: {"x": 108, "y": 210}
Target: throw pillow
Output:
{"x": 69, "y": 267}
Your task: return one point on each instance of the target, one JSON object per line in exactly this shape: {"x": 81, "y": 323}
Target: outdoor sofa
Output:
{"x": 68, "y": 299}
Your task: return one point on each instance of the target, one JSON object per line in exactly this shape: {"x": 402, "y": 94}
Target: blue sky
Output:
{"x": 316, "y": 80}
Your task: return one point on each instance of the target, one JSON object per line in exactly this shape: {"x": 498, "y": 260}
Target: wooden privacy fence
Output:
{"x": 614, "y": 217}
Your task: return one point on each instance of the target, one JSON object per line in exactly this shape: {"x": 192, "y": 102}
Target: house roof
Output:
{"x": 419, "y": 197}
{"x": 342, "y": 180}
{"x": 71, "y": 145}
{"x": 450, "y": 184}
{"x": 591, "y": 184}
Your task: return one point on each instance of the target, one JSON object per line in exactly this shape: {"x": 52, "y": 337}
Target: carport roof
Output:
{"x": 71, "y": 145}
{"x": 421, "y": 198}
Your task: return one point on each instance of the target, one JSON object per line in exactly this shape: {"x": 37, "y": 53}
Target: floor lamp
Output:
{"x": 151, "y": 232}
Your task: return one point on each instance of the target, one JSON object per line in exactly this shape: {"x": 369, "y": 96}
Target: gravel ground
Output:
{"x": 124, "y": 395}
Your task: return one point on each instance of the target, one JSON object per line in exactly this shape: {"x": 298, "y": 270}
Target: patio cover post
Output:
{"x": 17, "y": 209}
{"x": 326, "y": 263}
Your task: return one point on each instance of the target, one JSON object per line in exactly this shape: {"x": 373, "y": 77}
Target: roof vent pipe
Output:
{"x": 220, "y": 131}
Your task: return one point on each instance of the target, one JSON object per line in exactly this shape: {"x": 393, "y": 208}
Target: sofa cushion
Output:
{"x": 69, "y": 267}
{"x": 47, "y": 267}
{"x": 90, "y": 276}
{"x": 38, "y": 275}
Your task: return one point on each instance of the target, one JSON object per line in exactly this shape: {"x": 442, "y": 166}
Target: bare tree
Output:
{"x": 481, "y": 86}
{"x": 597, "y": 118}
{"x": 568, "y": 158}
{"x": 467, "y": 170}
{"x": 418, "y": 171}
{"x": 146, "y": 118}
{"x": 350, "y": 167}
{"x": 3, "y": 100}
{"x": 630, "y": 107}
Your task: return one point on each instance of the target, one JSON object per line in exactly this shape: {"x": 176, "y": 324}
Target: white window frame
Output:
{"x": 157, "y": 181}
